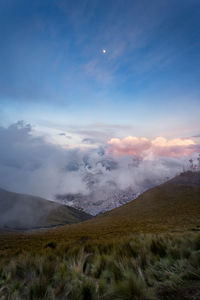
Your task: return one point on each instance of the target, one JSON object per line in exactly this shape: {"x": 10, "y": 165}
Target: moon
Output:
{"x": 104, "y": 51}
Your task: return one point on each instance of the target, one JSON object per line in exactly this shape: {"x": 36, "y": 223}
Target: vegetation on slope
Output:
{"x": 107, "y": 257}
{"x": 139, "y": 267}
{"x": 24, "y": 211}
{"x": 170, "y": 207}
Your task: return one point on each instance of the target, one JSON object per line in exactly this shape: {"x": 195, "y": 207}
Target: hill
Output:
{"x": 21, "y": 211}
{"x": 172, "y": 206}
{"x": 169, "y": 207}
{"x": 107, "y": 258}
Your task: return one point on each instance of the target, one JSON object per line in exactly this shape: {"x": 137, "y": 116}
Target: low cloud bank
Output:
{"x": 158, "y": 147}
{"x": 100, "y": 178}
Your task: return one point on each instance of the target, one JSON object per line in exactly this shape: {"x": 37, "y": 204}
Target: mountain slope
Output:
{"x": 174, "y": 204}
{"x": 25, "y": 211}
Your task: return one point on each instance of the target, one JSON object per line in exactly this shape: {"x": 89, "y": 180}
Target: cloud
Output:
{"x": 196, "y": 136}
{"x": 174, "y": 148}
{"x": 88, "y": 141}
{"x": 31, "y": 165}
{"x": 65, "y": 135}
{"x": 95, "y": 179}
{"x": 159, "y": 147}
{"x": 128, "y": 146}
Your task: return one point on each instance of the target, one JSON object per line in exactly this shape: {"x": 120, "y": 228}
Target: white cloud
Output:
{"x": 158, "y": 147}
{"x": 29, "y": 164}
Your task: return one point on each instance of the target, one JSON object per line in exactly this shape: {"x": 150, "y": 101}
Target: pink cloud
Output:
{"x": 159, "y": 146}
{"x": 128, "y": 146}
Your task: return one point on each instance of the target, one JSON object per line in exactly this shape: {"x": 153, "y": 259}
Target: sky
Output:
{"x": 97, "y": 92}
{"x": 55, "y": 74}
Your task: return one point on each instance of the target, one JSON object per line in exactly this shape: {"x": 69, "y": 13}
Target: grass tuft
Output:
{"x": 141, "y": 267}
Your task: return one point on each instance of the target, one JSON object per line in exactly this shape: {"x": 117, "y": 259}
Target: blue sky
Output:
{"x": 54, "y": 74}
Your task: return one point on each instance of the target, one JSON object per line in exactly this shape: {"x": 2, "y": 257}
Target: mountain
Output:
{"x": 187, "y": 178}
{"x": 106, "y": 190}
{"x": 172, "y": 206}
{"x": 25, "y": 211}
{"x": 100, "y": 199}
{"x": 169, "y": 206}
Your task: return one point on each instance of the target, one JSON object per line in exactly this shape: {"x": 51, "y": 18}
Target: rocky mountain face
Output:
{"x": 98, "y": 201}
{"x": 104, "y": 191}
{"x": 171, "y": 206}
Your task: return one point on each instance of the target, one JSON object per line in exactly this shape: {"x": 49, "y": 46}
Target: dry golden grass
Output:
{"x": 146, "y": 249}
{"x": 140, "y": 267}
{"x": 169, "y": 207}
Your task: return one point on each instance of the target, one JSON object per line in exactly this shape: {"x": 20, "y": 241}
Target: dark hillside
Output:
{"x": 20, "y": 211}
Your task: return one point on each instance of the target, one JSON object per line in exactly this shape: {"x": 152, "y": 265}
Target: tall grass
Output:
{"x": 139, "y": 267}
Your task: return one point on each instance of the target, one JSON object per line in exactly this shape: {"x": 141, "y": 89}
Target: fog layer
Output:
{"x": 94, "y": 179}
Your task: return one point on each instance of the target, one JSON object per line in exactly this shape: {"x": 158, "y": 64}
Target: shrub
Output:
{"x": 131, "y": 287}
{"x": 51, "y": 245}
{"x": 134, "y": 268}
{"x": 158, "y": 247}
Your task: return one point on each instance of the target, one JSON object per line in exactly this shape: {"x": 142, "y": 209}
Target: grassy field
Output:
{"x": 146, "y": 249}
{"x": 165, "y": 266}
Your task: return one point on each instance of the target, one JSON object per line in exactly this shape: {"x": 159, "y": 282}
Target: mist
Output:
{"x": 94, "y": 180}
